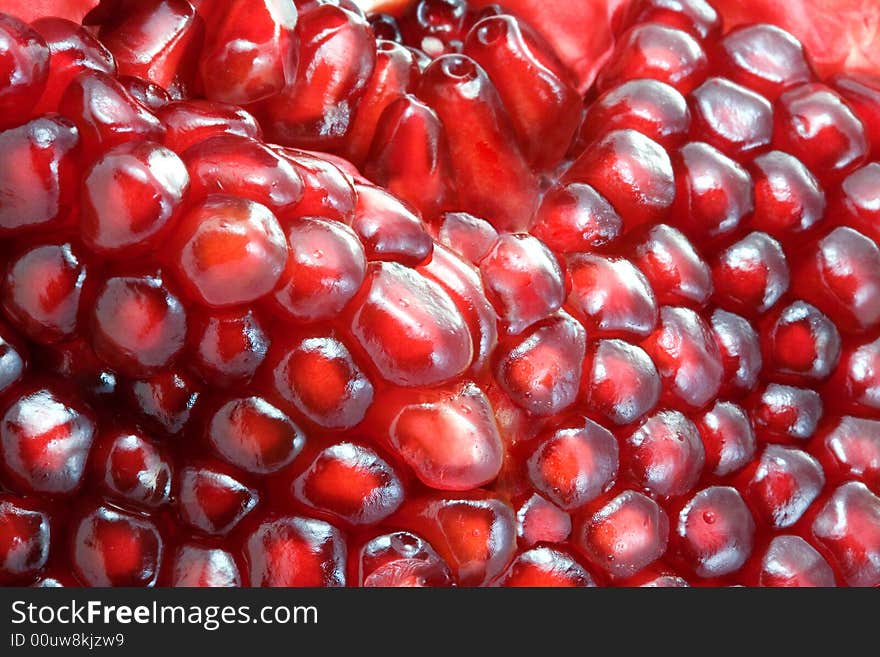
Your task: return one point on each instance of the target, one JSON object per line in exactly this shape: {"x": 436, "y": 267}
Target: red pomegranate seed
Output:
{"x": 112, "y": 547}
{"x": 862, "y": 94}
{"x": 714, "y": 194}
{"x": 859, "y": 375}
{"x": 129, "y": 198}
{"x": 148, "y": 94}
{"x": 401, "y": 559}
{"x": 728, "y": 438}
{"x": 785, "y": 412}
{"x": 802, "y": 343}
{"x": 73, "y": 50}
{"x": 620, "y": 381}
{"x": 851, "y": 447}
{"x": 490, "y": 172}
{"x": 296, "y": 551}
{"x": 24, "y": 62}
{"x": 253, "y": 435}
{"x": 213, "y": 501}
{"x": 156, "y": 40}
{"x": 785, "y": 484}
{"x": 730, "y": 117}
{"x": 229, "y": 250}
{"x": 467, "y": 235}
{"x": 673, "y": 267}
{"x": 791, "y": 561}
{"x": 545, "y": 567}
{"x": 788, "y": 198}
{"x": 41, "y": 291}
{"x": 848, "y": 527}
{"x": 39, "y": 181}
{"x": 322, "y": 380}
{"x": 695, "y": 16}
{"x": 327, "y": 191}
{"x": 541, "y": 521}
{"x": 764, "y": 58}
{"x": 165, "y": 400}
{"x": 630, "y": 170}
{"x": 654, "y": 51}
{"x": 473, "y": 454}
{"x": 227, "y": 347}
{"x": 105, "y": 114}
{"x": 858, "y": 200}
{"x": 410, "y": 156}
{"x": 740, "y": 352}
{"x": 196, "y": 566}
{"x": 751, "y": 275}
{"x": 388, "y": 229}
{"x": 350, "y": 482}
{"x": 133, "y": 469}
{"x": 189, "y": 122}
{"x": 336, "y": 59}
{"x": 250, "y": 52}
{"x": 625, "y": 535}
{"x": 648, "y": 106}
{"x": 665, "y": 455}
{"x": 46, "y": 439}
{"x": 25, "y": 535}
{"x": 544, "y": 107}
{"x": 814, "y": 124}
{"x": 715, "y": 532}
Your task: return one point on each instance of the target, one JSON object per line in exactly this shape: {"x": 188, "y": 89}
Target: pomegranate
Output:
{"x": 316, "y": 294}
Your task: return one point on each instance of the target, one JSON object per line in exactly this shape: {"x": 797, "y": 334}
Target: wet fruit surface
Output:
{"x": 292, "y": 295}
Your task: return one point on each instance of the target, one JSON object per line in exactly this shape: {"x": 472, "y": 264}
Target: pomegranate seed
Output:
{"x": 621, "y": 381}
{"x": 469, "y": 236}
{"x": 687, "y": 357}
{"x": 490, "y": 171}
{"x": 654, "y": 51}
{"x": 129, "y": 198}
{"x": 73, "y": 50}
{"x": 664, "y": 455}
{"x": 296, "y": 551}
{"x": 853, "y": 445}
{"x": 196, "y": 566}
{"x": 848, "y": 527}
{"x": 46, "y": 441}
{"x": 764, "y": 58}
{"x": 675, "y": 270}
{"x": 41, "y": 291}
{"x": 715, "y": 194}
{"x": 611, "y": 296}
{"x": 350, "y": 482}
{"x": 402, "y": 304}
{"x": 24, "y": 540}
{"x": 862, "y": 94}
{"x": 105, "y": 114}
{"x": 472, "y": 458}
{"x": 321, "y": 379}
{"x": 791, "y": 561}
{"x": 695, "y": 16}
{"x": 410, "y": 156}
{"x": 802, "y": 343}
{"x": 751, "y": 275}
{"x": 24, "y": 60}
{"x": 189, "y": 122}
{"x": 715, "y": 531}
{"x": 545, "y": 566}
{"x": 859, "y": 374}
{"x": 625, "y": 535}
{"x": 213, "y": 501}
{"x": 401, "y": 559}
{"x": 336, "y": 59}
{"x": 327, "y": 191}
{"x": 740, "y": 352}
{"x": 788, "y": 198}
{"x": 228, "y": 347}
{"x": 728, "y": 438}
{"x": 784, "y": 412}
{"x": 574, "y": 218}
{"x": 814, "y": 124}
{"x": 251, "y": 51}
{"x": 544, "y": 108}
{"x": 730, "y": 117}
{"x": 229, "y": 250}
{"x": 39, "y": 180}
{"x": 541, "y": 521}
{"x": 630, "y": 170}
{"x": 435, "y": 26}
{"x": 148, "y": 94}
{"x": 133, "y": 469}
{"x": 116, "y": 548}
{"x": 253, "y": 435}
{"x": 156, "y": 40}
{"x": 785, "y": 484}
{"x": 650, "y": 107}
{"x": 165, "y": 400}
{"x": 388, "y": 229}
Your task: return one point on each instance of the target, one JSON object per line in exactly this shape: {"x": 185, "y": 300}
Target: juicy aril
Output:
{"x": 298, "y": 296}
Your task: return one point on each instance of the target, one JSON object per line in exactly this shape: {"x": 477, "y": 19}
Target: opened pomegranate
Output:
{"x": 299, "y": 294}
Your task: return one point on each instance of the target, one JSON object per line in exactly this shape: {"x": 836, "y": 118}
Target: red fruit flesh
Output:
{"x": 533, "y": 331}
